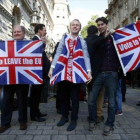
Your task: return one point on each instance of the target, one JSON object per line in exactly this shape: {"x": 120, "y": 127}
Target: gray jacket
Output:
{"x": 85, "y": 52}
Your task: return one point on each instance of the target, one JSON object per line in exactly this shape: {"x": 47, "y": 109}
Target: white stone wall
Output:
{"x": 127, "y": 11}
{"x": 5, "y": 19}
{"x": 61, "y": 19}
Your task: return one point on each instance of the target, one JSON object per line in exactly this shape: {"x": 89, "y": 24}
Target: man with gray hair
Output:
{"x": 21, "y": 91}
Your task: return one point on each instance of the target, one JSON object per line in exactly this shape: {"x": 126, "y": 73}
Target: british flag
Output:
{"x": 70, "y": 67}
{"x": 20, "y": 62}
{"x": 127, "y": 42}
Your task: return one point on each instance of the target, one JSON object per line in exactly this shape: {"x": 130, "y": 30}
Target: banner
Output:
{"x": 20, "y": 62}
{"x": 127, "y": 43}
{"x": 70, "y": 65}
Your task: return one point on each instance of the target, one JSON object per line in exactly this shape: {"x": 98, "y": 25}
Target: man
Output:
{"x": 21, "y": 91}
{"x": 1, "y": 96}
{"x": 35, "y": 114}
{"x": 71, "y": 41}
{"x": 92, "y": 32}
{"x": 105, "y": 74}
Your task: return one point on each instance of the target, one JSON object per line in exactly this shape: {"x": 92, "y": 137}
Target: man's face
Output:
{"x": 75, "y": 27}
{"x": 102, "y": 27}
{"x": 18, "y": 33}
{"x": 43, "y": 32}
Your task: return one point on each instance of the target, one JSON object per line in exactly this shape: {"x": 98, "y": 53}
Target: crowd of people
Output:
{"x": 104, "y": 77}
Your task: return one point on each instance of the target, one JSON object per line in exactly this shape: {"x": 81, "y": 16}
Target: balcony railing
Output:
{"x": 6, "y": 5}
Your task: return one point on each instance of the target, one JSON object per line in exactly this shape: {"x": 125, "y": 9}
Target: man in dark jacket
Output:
{"x": 21, "y": 91}
{"x": 35, "y": 114}
{"x": 94, "y": 39}
{"x": 105, "y": 74}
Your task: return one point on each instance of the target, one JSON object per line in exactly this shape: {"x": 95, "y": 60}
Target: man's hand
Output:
{"x": 110, "y": 32}
{"x": 89, "y": 77}
{"x": 50, "y": 72}
{"x": 44, "y": 40}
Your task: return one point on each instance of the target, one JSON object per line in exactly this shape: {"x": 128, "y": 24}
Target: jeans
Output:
{"x": 119, "y": 96}
{"x": 100, "y": 100}
{"x": 110, "y": 81}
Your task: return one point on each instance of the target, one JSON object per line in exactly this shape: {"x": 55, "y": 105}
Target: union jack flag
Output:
{"x": 127, "y": 42}
{"x": 70, "y": 65}
{"x": 20, "y": 62}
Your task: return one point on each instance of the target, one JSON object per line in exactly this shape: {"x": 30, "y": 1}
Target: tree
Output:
{"x": 91, "y": 22}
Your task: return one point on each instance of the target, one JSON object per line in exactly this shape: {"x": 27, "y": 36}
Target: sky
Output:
{"x": 84, "y": 9}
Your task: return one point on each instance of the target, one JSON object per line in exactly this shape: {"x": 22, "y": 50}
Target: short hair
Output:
{"x": 92, "y": 29}
{"x": 38, "y": 27}
{"x": 138, "y": 18}
{"x": 76, "y": 20}
{"x": 22, "y": 28}
{"x": 103, "y": 19}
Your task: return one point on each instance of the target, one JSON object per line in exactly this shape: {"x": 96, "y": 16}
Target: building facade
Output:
{"x": 61, "y": 16}
{"x": 122, "y": 12}
{"x": 119, "y": 14}
{"x": 14, "y": 12}
{"x": 54, "y": 14}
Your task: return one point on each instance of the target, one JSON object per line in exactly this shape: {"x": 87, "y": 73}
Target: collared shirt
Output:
{"x": 110, "y": 61}
{"x": 37, "y": 36}
{"x": 71, "y": 37}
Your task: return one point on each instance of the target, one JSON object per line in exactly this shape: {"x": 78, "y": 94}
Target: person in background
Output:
{"x": 92, "y": 32}
{"x": 21, "y": 91}
{"x": 119, "y": 93}
{"x": 1, "y": 96}
{"x": 35, "y": 114}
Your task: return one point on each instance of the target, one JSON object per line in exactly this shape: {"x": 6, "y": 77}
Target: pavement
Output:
{"x": 127, "y": 126}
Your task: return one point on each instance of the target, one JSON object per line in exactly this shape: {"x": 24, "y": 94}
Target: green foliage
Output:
{"x": 91, "y": 22}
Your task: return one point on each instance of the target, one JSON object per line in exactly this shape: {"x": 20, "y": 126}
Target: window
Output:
{"x": 57, "y": 16}
{"x": 126, "y": 5}
{"x": 63, "y": 17}
{"x": 1, "y": 31}
{"x": 135, "y": 2}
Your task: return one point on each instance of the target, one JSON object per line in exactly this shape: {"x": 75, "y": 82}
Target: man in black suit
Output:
{"x": 21, "y": 91}
{"x": 35, "y": 114}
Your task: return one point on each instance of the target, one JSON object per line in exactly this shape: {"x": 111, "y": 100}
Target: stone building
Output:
{"x": 53, "y": 13}
{"x": 42, "y": 13}
{"x": 14, "y": 12}
{"x": 122, "y": 12}
{"x": 61, "y": 16}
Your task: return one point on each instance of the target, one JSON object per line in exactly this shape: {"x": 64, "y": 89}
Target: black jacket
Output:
{"x": 96, "y": 49}
{"x": 46, "y": 62}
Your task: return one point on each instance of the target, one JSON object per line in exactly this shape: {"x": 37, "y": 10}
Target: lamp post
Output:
{"x": 34, "y": 17}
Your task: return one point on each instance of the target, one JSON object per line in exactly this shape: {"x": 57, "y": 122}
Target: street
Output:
{"x": 127, "y": 126}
